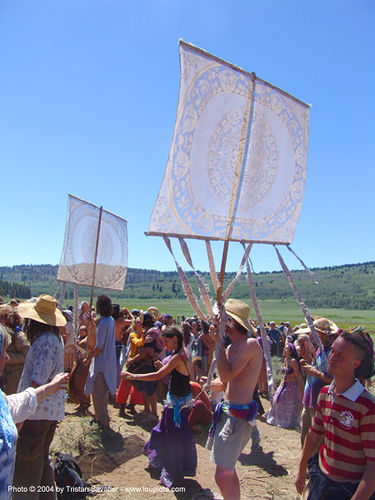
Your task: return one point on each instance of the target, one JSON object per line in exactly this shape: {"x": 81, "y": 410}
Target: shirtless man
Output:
{"x": 239, "y": 367}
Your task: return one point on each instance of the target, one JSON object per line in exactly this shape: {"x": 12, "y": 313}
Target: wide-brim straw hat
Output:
{"x": 44, "y": 310}
{"x": 239, "y": 311}
{"x": 322, "y": 325}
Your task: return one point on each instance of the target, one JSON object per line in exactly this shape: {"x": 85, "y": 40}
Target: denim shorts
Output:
{"x": 231, "y": 436}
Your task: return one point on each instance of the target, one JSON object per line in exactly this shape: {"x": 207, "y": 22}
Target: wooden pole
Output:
{"x": 76, "y": 308}
{"x": 219, "y": 293}
{"x": 244, "y": 145}
{"x": 94, "y": 273}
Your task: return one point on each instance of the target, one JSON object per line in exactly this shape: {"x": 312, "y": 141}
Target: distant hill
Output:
{"x": 350, "y": 286}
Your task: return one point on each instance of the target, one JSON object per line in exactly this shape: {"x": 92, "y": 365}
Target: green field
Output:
{"x": 276, "y": 310}
{"x": 344, "y": 294}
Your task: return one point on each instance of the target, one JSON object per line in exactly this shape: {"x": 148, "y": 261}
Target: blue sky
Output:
{"x": 88, "y": 96}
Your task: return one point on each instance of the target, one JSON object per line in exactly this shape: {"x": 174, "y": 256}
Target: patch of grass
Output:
{"x": 276, "y": 310}
{"x": 77, "y": 437}
{"x": 90, "y": 437}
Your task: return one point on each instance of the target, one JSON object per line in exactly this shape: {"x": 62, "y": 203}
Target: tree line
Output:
{"x": 350, "y": 286}
{"x": 14, "y": 290}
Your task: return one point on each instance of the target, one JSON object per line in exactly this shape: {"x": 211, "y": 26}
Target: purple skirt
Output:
{"x": 287, "y": 406}
{"x": 171, "y": 449}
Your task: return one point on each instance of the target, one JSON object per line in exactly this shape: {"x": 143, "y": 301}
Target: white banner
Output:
{"x": 77, "y": 261}
{"x": 237, "y": 164}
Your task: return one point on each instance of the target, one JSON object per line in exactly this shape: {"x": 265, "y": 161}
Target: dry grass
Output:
{"x": 77, "y": 436}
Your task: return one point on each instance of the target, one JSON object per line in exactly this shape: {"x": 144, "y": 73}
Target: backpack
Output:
{"x": 68, "y": 478}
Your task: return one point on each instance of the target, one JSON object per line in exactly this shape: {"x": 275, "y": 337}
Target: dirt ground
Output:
{"x": 116, "y": 468}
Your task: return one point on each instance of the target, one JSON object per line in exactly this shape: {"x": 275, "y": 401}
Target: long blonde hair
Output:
{"x": 305, "y": 338}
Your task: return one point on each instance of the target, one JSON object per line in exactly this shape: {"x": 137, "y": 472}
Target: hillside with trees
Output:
{"x": 350, "y": 286}
{"x": 14, "y": 290}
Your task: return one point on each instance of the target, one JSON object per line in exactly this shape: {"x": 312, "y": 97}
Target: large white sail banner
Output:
{"x": 238, "y": 159}
{"x": 82, "y": 233}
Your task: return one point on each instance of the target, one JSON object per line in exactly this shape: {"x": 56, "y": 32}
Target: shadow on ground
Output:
{"x": 264, "y": 461}
{"x": 115, "y": 450}
{"x": 187, "y": 489}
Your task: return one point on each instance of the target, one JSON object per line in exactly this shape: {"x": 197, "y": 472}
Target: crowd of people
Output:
{"x": 133, "y": 359}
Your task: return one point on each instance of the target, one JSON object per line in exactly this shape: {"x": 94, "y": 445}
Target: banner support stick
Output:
{"x": 93, "y": 274}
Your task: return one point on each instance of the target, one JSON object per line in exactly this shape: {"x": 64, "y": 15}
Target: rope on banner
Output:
{"x": 231, "y": 285}
{"x": 202, "y": 287}
{"x": 223, "y": 316}
{"x": 211, "y": 264}
{"x": 185, "y": 283}
{"x": 310, "y": 273}
{"x": 304, "y": 308}
{"x": 266, "y": 346}
{"x": 222, "y": 323}
{"x": 221, "y": 331}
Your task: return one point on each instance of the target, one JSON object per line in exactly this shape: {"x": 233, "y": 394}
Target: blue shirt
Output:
{"x": 8, "y": 445}
{"x": 105, "y": 361}
{"x": 275, "y": 334}
{"x": 313, "y": 385}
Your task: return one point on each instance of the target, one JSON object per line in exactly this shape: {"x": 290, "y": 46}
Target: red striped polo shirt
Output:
{"x": 347, "y": 422}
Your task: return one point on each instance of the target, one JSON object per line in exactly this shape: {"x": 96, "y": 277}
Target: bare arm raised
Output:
{"x": 174, "y": 362}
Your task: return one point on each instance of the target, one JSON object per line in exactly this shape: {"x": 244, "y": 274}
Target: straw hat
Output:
{"x": 6, "y": 309}
{"x": 154, "y": 312}
{"x": 322, "y": 325}
{"x": 239, "y": 311}
{"x": 43, "y": 310}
